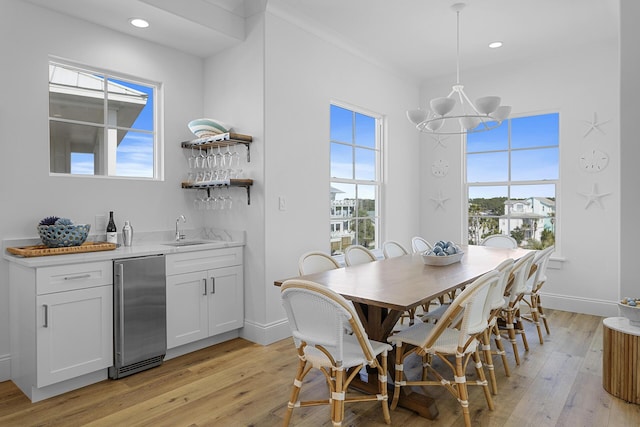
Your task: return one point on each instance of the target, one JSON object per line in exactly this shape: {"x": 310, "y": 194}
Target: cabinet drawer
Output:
{"x": 73, "y": 276}
{"x": 188, "y": 262}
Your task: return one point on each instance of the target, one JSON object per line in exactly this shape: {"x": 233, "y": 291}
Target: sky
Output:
{"x": 534, "y": 155}
{"x": 134, "y": 155}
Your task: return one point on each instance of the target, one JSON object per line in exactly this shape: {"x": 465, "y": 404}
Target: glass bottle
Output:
{"x": 112, "y": 233}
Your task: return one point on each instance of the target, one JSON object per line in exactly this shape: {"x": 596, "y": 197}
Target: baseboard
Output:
{"x": 265, "y": 334}
{"x": 199, "y": 345}
{"x": 579, "y": 305}
{"x": 5, "y": 367}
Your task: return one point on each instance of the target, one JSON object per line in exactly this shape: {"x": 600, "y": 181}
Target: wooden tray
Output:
{"x": 42, "y": 250}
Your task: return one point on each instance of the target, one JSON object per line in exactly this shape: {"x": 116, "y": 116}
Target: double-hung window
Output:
{"x": 512, "y": 175}
{"x": 102, "y": 124}
{"x": 355, "y": 178}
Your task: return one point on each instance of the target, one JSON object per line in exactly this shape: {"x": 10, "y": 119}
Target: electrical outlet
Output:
{"x": 282, "y": 203}
{"x": 100, "y": 224}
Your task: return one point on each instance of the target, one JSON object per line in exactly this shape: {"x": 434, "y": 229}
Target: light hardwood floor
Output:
{"x": 239, "y": 383}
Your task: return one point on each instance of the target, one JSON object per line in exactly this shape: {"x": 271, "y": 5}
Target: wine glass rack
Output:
{"x": 222, "y": 140}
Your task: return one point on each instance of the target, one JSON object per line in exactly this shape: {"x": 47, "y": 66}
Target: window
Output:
{"x": 101, "y": 124}
{"x": 355, "y": 178}
{"x": 512, "y": 176}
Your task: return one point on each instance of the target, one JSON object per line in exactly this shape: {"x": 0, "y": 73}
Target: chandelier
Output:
{"x": 455, "y": 114}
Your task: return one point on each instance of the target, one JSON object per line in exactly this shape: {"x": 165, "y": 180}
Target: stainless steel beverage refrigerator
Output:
{"x": 139, "y": 314}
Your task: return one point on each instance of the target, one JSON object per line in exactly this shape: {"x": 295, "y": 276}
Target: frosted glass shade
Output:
{"x": 416, "y": 116}
{"x": 469, "y": 123}
{"x": 487, "y": 104}
{"x": 435, "y": 125}
{"x": 442, "y": 106}
{"x": 501, "y": 113}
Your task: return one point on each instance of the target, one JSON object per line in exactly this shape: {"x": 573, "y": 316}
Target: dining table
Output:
{"x": 381, "y": 291}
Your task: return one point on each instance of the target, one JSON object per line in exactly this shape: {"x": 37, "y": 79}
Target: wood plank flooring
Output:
{"x": 239, "y": 383}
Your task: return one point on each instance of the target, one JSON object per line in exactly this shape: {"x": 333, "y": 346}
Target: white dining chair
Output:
{"x": 451, "y": 337}
{"x": 532, "y": 294}
{"x": 510, "y": 312}
{"x": 315, "y": 262}
{"x": 495, "y": 302}
{"x": 499, "y": 241}
{"x": 419, "y": 245}
{"x": 317, "y": 318}
{"x": 357, "y": 254}
{"x": 392, "y": 249}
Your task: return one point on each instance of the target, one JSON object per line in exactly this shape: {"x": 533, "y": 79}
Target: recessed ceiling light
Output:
{"x": 139, "y": 22}
{"x": 495, "y": 45}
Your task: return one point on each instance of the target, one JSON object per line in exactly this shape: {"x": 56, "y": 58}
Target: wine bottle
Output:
{"x": 112, "y": 234}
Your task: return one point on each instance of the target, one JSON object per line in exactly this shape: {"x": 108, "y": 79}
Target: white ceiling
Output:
{"x": 415, "y": 37}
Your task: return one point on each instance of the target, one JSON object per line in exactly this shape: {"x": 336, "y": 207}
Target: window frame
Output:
{"x": 376, "y": 183}
{"x": 157, "y": 125}
{"x": 509, "y": 182}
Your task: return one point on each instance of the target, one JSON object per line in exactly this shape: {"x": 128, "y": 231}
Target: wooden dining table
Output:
{"x": 383, "y": 290}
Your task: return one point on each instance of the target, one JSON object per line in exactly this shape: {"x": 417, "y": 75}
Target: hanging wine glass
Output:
{"x": 235, "y": 170}
{"x": 193, "y": 158}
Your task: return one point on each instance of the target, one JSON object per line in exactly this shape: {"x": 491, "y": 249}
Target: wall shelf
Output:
{"x": 222, "y": 140}
{"x": 246, "y": 183}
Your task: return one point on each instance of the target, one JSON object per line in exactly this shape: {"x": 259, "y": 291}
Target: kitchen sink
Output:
{"x": 186, "y": 243}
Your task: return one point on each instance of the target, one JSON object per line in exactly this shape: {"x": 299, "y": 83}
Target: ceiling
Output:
{"x": 414, "y": 37}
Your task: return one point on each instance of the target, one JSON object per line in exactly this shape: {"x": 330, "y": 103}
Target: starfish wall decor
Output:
{"x": 594, "y": 196}
{"x": 439, "y": 200}
{"x": 440, "y": 141}
{"x": 594, "y": 124}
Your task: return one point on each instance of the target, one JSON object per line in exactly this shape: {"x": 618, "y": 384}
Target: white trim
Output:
{"x": 5, "y": 367}
{"x": 265, "y": 334}
{"x": 573, "y": 304}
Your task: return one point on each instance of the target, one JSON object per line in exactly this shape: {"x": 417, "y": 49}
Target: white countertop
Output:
{"x": 145, "y": 244}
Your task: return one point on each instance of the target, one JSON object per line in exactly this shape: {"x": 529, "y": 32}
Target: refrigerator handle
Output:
{"x": 213, "y": 285}
{"x": 121, "y": 303}
{"x": 205, "y": 287}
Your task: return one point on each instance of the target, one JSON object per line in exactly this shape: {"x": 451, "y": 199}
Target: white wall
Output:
{"x": 630, "y": 149}
{"x": 304, "y": 73}
{"x": 576, "y": 84}
{"x": 28, "y": 35}
{"x": 234, "y": 93}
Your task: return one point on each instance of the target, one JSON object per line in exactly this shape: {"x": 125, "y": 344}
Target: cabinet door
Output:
{"x": 186, "y": 308}
{"x": 226, "y": 299}
{"x": 74, "y": 333}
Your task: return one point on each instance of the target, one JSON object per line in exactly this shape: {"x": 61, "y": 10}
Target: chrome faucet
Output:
{"x": 178, "y": 235}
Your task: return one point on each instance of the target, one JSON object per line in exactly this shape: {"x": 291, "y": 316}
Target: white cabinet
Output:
{"x": 205, "y": 294}
{"x": 74, "y": 333}
{"x": 61, "y": 324}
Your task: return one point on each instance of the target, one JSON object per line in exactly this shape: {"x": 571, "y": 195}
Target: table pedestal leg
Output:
{"x": 379, "y": 324}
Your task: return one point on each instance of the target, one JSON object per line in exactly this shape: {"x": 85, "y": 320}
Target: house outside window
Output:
{"x": 355, "y": 178}
{"x": 102, "y": 124}
{"x": 512, "y": 173}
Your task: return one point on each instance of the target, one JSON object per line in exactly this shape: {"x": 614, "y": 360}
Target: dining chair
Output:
{"x": 499, "y": 241}
{"x": 392, "y": 249}
{"x": 444, "y": 340}
{"x": 510, "y": 312}
{"x": 317, "y": 318}
{"x": 495, "y": 302}
{"x": 532, "y": 294}
{"x": 357, "y": 254}
{"x": 419, "y": 245}
{"x": 315, "y": 262}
